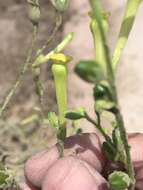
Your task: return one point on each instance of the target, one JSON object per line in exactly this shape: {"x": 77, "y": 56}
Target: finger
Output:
{"x": 139, "y": 184}
{"x": 136, "y": 143}
{"x": 37, "y": 166}
{"x": 139, "y": 178}
{"x": 25, "y": 186}
{"x": 72, "y": 173}
{"x": 86, "y": 147}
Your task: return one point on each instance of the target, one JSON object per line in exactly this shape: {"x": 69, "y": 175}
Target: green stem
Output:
{"x": 96, "y": 12}
{"x": 98, "y": 42}
{"x": 98, "y": 126}
{"x": 23, "y": 70}
{"x": 44, "y": 58}
{"x": 129, "y": 164}
{"x": 126, "y": 27}
{"x": 60, "y": 78}
{"x": 110, "y": 76}
{"x": 51, "y": 37}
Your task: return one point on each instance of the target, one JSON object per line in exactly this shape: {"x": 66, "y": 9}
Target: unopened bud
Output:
{"x": 34, "y": 11}
{"x": 60, "y": 5}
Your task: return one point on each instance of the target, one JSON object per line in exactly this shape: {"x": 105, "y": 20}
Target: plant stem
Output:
{"x": 96, "y": 11}
{"x": 126, "y": 27}
{"x": 44, "y": 58}
{"x": 98, "y": 126}
{"x": 51, "y": 37}
{"x": 99, "y": 46}
{"x": 23, "y": 70}
{"x": 110, "y": 76}
{"x": 129, "y": 164}
{"x": 39, "y": 87}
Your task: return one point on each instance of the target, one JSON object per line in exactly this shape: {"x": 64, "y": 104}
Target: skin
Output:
{"x": 82, "y": 166}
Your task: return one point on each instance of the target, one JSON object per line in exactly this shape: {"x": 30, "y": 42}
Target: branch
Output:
{"x": 44, "y": 58}
{"x": 97, "y": 125}
{"x": 58, "y": 24}
{"x": 23, "y": 70}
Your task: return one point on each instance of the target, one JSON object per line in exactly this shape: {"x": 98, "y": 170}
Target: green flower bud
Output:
{"x": 60, "y": 5}
{"x": 76, "y": 114}
{"x": 60, "y": 77}
{"x": 119, "y": 180}
{"x": 34, "y": 11}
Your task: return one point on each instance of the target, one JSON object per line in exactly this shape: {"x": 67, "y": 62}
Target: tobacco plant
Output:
{"x": 101, "y": 72}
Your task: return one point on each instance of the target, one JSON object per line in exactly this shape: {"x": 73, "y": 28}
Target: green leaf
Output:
{"x": 3, "y": 178}
{"x": 89, "y": 71}
{"x": 103, "y": 97}
{"x": 79, "y": 131}
{"x": 101, "y": 105}
{"x": 119, "y": 180}
{"x": 53, "y": 120}
{"x": 60, "y": 5}
{"x": 103, "y": 91}
{"x": 61, "y": 135}
{"x": 109, "y": 150}
{"x": 75, "y": 115}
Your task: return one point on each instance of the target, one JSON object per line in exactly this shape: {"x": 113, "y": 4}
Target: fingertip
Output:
{"x": 87, "y": 147}
{"x": 37, "y": 166}
{"x": 72, "y": 173}
{"x": 136, "y": 143}
{"x": 26, "y": 186}
{"x": 139, "y": 184}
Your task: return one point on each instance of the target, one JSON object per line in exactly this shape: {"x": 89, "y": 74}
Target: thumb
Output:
{"x": 73, "y": 173}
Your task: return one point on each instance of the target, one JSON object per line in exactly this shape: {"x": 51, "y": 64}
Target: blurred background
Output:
{"x": 15, "y": 31}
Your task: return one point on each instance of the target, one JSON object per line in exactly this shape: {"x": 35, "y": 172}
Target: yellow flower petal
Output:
{"x": 60, "y": 58}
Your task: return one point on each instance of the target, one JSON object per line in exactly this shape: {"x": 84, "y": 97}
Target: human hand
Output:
{"x": 82, "y": 166}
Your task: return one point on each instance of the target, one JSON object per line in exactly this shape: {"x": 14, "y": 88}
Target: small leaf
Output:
{"x": 79, "y": 131}
{"x": 104, "y": 98}
{"x": 103, "y": 91}
{"x": 119, "y": 180}
{"x": 89, "y": 71}
{"x": 109, "y": 150}
{"x": 101, "y": 105}
{"x": 53, "y": 120}
{"x": 3, "y": 178}
{"x": 61, "y": 135}
{"x": 75, "y": 115}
